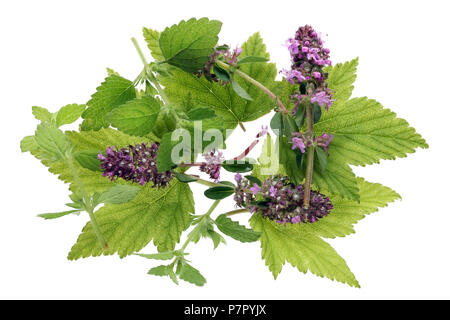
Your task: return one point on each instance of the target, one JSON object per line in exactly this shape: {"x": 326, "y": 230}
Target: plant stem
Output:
{"x": 230, "y": 213}
{"x": 310, "y": 159}
{"x": 206, "y": 215}
{"x": 87, "y": 201}
{"x": 256, "y": 84}
{"x": 149, "y": 74}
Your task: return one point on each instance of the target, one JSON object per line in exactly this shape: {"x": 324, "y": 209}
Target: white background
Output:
{"x": 55, "y": 52}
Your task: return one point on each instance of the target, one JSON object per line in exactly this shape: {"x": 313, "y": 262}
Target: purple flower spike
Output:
{"x": 213, "y": 164}
{"x": 255, "y": 189}
{"x": 134, "y": 163}
{"x": 237, "y": 177}
{"x": 298, "y": 143}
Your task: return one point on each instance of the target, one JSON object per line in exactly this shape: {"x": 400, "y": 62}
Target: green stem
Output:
{"x": 310, "y": 159}
{"x": 87, "y": 201}
{"x": 149, "y": 74}
{"x": 256, "y": 84}
{"x": 230, "y": 213}
{"x": 206, "y": 215}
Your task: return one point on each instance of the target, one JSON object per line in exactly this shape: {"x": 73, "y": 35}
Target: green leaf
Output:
{"x": 235, "y": 230}
{"x": 164, "y": 160}
{"x": 223, "y": 100}
{"x": 29, "y": 144}
{"x": 303, "y": 250}
{"x": 201, "y": 114}
{"x": 113, "y": 92}
{"x": 152, "y": 39}
{"x": 346, "y": 213}
{"x": 48, "y": 216}
{"x": 119, "y": 194}
{"x": 254, "y": 180}
{"x": 189, "y": 44}
{"x": 221, "y": 73}
{"x": 42, "y": 114}
{"x": 184, "y": 177}
{"x": 69, "y": 114}
{"x": 136, "y": 117}
{"x": 317, "y": 112}
{"x": 283, "y": 124}
{"x": 240, "y": 91}
{"x": 300, "y": 115}
{"x": 52, "y": 140}
{"x": 158, "y": 256}
{"x": 338, "y": 178}
{"x": 322, "y": 158}
{"x": 341, "y": 78}
{"x": 364, "y": 132}
{"x": 251, "y": 59}
{"x": 159, "y": 271}
{"x": 155, "y": 214}
{"x": 88, "y": 160}
{"x": 237, "y": 166}
{"x": 190, "y": 274}
{"x": 218, "y": 193}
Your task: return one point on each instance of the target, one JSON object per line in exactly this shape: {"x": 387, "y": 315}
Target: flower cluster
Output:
{"x": 281, "y": 200}
{"x": 309, "y": 57}
{"x": 213, "y": 164}
{"x": 300, "y": 141}
{"x": 134, "y": 163}
{"x": 230, "y": 57}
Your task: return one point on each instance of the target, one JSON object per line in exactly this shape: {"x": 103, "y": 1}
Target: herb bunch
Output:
{"x": 121, "y": 168}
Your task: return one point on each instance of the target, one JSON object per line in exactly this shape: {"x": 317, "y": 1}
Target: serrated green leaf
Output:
{"x": 338, "y": 178}
{"x": 190, "y": 274}
{"x": 164, "y": 160}
{"x": 42, "y": 114}
{"x": 56, "y": 215}
{"x": 223, "y": 100}
{"x": 251, "y": 59}
{"x": 119, "y": 194}
{"x": 346, "y": 213}
{"x": 155, "y": 214}
{"x": 158, "y": 256}
{"x": 113, "y": 92}
{"x": 303, "y": 250}
{"x": 152, "y": 39}
{"x": 341, "y": 78}
{"x": 364, "y": 132}
{"x": 136, "y": 117}
{"x": 159, "y": 271}
{"x": 51, "y": 140}
{"x": 322, "y": 158}
{"x": 69, "y": 114}
{"x": 189, "y": 44}
{"x": 88, "y": 159}
{"x": 235, "y": 230}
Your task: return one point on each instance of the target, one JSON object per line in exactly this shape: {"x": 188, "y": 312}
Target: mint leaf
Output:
{"x": 182, "y": 87}
{"x": 113, "y": 92}
{"x": 136, "y": 117}
{"x": 303, "y": 250}
{"x": 155, "y": 214}
{"x": 240, "y": 91}
{"x": 190, "y": 274}
{"x": 88, "y": 160}
{"x": 29, "y": 144}
{"x": 189, "y": 44}
{"x": 42, "y": 114}
{"x": 152, "y": 39}
{"x": 48, "y": 216}
{"x": 158, "y": 256}
{"x": 346, "y": 213}
{"x": 69, "y": 114}
{"x": 52, "y": 140}
{"x": 235, "y": 230}
{"x": 119, "y": 194}
{"x": 159, "y": 271}
{"x": 218, "y": 193}
{"x": 338, "y": 178}
{"x": 365, "y": 132}
{"x": 341, "y": 78}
